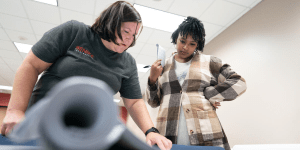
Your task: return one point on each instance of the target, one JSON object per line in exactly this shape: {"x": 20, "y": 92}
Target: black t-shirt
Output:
{"x": 75, "y": 50}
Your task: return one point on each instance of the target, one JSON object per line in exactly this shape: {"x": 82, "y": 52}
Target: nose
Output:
{"x": 129, "y": 38}
{"x": 185, "y": 47}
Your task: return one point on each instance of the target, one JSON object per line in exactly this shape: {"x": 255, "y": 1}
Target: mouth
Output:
{"x": 183, "y": 53}
{"x": 123, "y": 44}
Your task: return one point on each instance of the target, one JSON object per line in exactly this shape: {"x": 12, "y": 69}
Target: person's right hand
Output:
{"x": 155, "y": 71}
{"x": 11, "y": 118}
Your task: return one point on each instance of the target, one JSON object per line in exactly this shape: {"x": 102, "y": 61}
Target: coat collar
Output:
{"x": 172, "y": 74}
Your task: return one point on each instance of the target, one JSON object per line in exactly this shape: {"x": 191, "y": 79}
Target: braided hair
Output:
{"x": 191, "y": 26}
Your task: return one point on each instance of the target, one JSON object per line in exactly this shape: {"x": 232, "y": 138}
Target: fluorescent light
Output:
{"x": 142, "y": 68}
{"x": 2, "y": 87}
{"x": 158, "y": 19}
{"x": 51, "y": 2}
{"x": 24, "y": 48}
{"x": 116, "y": 100}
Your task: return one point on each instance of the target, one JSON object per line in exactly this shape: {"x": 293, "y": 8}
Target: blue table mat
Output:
{"x": 5, "y": 141}
{"x": 184, "y": 147}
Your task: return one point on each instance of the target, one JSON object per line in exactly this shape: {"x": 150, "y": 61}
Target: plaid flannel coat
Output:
{"x": 208, "y": 80}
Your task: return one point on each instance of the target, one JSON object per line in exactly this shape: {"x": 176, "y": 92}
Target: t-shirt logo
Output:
{"x": 84, "y": 51}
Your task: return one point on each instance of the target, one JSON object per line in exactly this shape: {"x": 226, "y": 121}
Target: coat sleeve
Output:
{"x": 153, "y": 94}
{"x": 229, "y": 85}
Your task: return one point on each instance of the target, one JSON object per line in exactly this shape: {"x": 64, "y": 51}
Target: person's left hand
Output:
{"x": 216, "y": 104}
{"x": 162, "y": 142}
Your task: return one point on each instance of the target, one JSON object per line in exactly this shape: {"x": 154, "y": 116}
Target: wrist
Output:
{"x": 151, "y": 130}
{"x": 151, "y": 81}
{"x": 15, "y": 111}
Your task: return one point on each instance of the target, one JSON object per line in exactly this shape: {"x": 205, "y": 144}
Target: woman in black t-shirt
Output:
{"x": 117, "y": 27}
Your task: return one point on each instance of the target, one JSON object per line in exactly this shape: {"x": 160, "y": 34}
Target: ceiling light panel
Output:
{"x": 24, "y": 48}
{"x": 50, "y": 2}
{"x": 163, "y": 5}
{"x": 158, "y": 19}
{"x": 5, "y": 87}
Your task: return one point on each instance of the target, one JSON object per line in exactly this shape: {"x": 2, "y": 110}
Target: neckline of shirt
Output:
{"x": 188, "y": 62}
{"x": 108, "y": 52}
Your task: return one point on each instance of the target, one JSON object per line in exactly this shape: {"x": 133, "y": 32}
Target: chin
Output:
{"x": 182, "y": 56}
{"x": 185, "y": 56}
{"x": 120, "y": 50}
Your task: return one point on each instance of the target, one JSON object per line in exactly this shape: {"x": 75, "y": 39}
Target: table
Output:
{"x": 7, "y": 144}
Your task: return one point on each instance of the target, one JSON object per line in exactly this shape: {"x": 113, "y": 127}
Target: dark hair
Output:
{"x": 193, "y": 27}
{"x": 111, "y": 19}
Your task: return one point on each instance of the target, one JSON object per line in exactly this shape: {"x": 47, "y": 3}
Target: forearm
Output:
{"x": 228, "y": 90}
{"x": 139, "y": 113}
{"x": 25, "y": 79}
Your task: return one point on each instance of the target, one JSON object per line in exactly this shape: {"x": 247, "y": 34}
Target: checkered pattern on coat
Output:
{"x": 208, "y": 80}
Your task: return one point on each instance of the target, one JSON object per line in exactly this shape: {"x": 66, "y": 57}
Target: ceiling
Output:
{"x": 25, "y": 21}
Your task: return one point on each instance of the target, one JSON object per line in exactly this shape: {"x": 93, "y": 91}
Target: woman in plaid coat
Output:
{"x": 190, "y": 87}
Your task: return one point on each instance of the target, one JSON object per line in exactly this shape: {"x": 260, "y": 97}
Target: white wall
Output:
{"x": 264, "y": 47}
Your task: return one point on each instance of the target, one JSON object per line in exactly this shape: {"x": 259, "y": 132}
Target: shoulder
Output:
{"x": 211, "y": 58}
{"x": 78, "y": 25}
{"x": 129, "y": 59}
{"x": 215, "y": 63}
{"x": 80, "y": 28}
{"x": 129, "y": 62}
